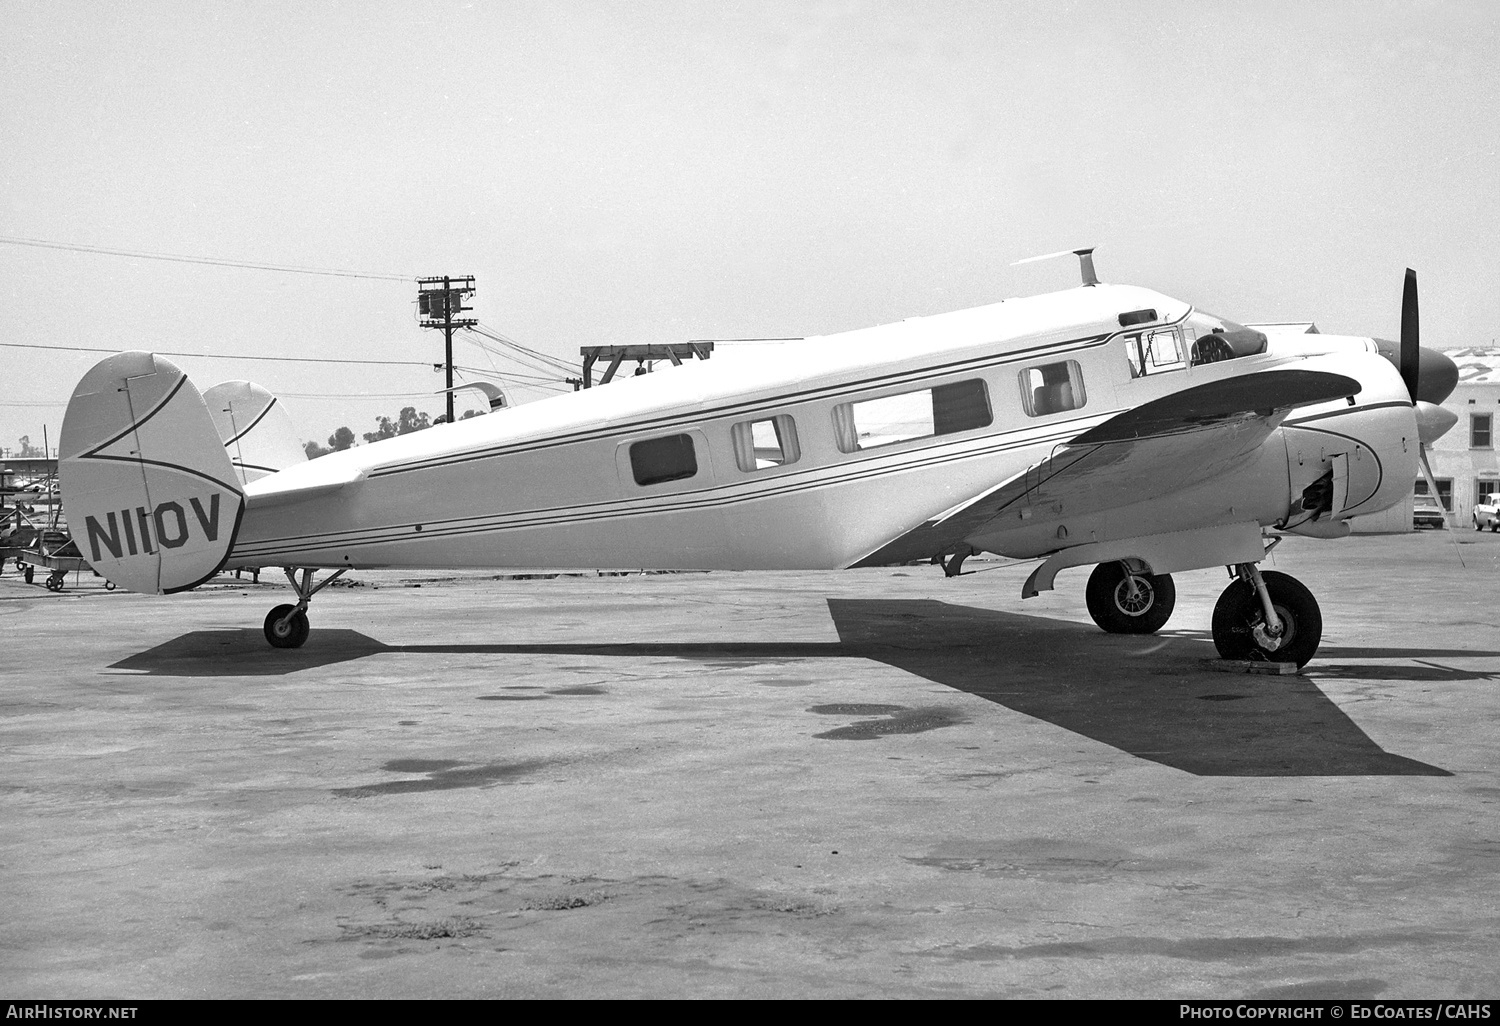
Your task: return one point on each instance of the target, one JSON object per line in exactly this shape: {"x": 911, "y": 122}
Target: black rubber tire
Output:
{"x": 1238, "y": 611}
{"x": 1109, "y": 603}
{"x": 289, "y": 635}
{"x": 1477, "y": 525}
{"x": 55, "y": 582}
{"x": 29, "y": 572}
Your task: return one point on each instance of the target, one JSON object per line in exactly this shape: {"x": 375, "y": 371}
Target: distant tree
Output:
{"x": 408, "y": 421}
{"x": 314, "y": 450}
{"x": 29, "y": 451}
{"x": 471, "y": 413}
{"x": 341, "y": 439}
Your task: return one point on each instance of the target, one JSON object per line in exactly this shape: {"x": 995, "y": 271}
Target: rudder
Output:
{"x": 151, "y": 496}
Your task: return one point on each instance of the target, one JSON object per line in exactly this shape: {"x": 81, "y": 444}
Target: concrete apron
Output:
{"x": 874, "y": 783}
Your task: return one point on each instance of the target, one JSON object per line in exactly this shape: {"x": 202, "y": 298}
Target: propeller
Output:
{"x": 1432, "y": 420}
{"x": 1411, "y": 336}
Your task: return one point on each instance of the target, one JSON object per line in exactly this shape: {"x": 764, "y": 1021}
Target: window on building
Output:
{"x": 944, "y": 410}
{"x": 1445, "y": 491}
{"x": 1052, "y": 388}
{"x": 663, "y": 459}
{"x": 760, "y": 444}
{"x": 1480, "y": 425}
{"x": 1485, "y": 486}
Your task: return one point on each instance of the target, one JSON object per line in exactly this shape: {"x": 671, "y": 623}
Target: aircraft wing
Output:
{"x": 1154, "y": 449}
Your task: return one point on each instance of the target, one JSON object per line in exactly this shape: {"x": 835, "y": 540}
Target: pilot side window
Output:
{"x": 761, "y": 444}
{"x": 663, "y": 459}
{"x": 944, "y": 410}
{"x": 1153, "y": 351}
{"x": 1052, "y": 388}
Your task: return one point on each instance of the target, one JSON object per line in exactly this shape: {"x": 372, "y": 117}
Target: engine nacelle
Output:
{"x": 1347, "y": 460}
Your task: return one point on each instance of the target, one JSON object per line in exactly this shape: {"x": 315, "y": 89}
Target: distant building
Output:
{"x": 1464, "y": 462}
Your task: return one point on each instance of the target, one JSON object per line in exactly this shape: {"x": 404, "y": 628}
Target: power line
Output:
{"x": 491, "y": 333}
{"x": 212, "y": 261}
{"x": 225, "y": 356}
{"x": 552, "y": 372}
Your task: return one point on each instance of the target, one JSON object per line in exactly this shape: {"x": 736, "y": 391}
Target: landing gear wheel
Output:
{"x": 1124, "y": 603}
{"x": 55, "y": 582}
{"x": 287, "y": 631}
{"x": 1239, "y": 621}
{"x": 28, "y": 572}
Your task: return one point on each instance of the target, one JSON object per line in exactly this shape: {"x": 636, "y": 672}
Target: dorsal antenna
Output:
{"x": 1085, "y": 262}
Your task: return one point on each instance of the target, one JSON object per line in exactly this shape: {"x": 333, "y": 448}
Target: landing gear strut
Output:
{"x": 1122, "y": 602}
{"x": 1267, "y": 615}
{"x": 286, "y": 625}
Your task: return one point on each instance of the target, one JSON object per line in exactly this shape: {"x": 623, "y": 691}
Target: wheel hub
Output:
{"x": 1272, "y": 642}
{"x": 1133, "y": 596}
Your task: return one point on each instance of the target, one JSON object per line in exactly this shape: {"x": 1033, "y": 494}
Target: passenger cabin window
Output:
{"x": 663, "y": 459}
{"x": 1154, "y": 351}
{"x": 944, "y": 410}
{"x": 1052, "y": 388}
{"x": 761, "y": 444}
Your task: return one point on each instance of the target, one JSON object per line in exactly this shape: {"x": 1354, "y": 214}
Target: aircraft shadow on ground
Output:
{"x": 1152, "y": 697}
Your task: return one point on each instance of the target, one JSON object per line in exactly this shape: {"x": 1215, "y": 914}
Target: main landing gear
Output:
{"x": 286, "y": 625}
{"x": 1123, "y": 602}
{"x": 1264, "y": 614}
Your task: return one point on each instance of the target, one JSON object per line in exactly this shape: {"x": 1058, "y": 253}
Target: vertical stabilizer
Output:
{"x": 255, "y": 429}
{"x": 151, "y": 496}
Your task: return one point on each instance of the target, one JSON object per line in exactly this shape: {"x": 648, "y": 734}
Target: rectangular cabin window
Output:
{"x": 943, "y": 410}
{"x": 1052, "y": 388}
{"x": 761, "y": 444}
{"x": 663, "y": 459}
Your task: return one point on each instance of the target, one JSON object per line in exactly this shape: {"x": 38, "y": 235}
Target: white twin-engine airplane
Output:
{"x": 1105, "y": 424}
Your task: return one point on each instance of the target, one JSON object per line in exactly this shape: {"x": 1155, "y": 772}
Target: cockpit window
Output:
{"x": 1151, "y": 352}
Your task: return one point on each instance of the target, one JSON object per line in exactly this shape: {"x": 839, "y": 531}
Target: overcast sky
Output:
{"x": 659, "y": 171}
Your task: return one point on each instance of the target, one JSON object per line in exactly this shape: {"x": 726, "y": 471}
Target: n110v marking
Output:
{"x": 169, "y": 519}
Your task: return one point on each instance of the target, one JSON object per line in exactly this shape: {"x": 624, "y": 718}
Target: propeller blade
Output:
{"x": 1432, "y": 488}
{"x": 1411, "y": 335}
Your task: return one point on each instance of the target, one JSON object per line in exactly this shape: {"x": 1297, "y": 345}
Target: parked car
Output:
{"x": 1487, "y": 513}
{"x": 1427, "y": 512}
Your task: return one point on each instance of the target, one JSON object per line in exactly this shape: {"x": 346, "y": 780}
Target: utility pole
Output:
{"x": 438, "y": 299}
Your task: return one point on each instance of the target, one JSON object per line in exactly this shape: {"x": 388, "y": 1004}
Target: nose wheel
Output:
{"x": 287, "y": 626}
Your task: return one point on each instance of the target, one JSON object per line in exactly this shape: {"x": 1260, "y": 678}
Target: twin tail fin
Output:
{"x": 152, "y": 497}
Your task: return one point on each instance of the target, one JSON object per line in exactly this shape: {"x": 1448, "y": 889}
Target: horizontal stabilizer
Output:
{"x": 151, "y": 497}
{"x": 279, "y": 489}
